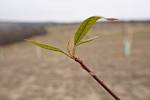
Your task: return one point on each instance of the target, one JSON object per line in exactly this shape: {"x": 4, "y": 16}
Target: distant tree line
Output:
{"x": 13, "y": 32}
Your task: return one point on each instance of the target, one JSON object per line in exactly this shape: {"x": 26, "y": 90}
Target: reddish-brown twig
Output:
{"x": 93, "y": 75}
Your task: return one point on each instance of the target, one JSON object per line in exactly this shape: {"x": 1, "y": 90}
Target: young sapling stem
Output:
{"x": 78, "y": 40}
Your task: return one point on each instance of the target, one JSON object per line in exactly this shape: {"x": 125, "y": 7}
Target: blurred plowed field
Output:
{"x": 30, "y": 73}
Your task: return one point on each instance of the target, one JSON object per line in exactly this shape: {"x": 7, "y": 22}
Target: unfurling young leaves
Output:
{"x": 84, "y": 28}
{"x": 78, "y": 37}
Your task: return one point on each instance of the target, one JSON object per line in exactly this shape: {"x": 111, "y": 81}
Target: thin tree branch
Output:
{"x": 93, "y": 75}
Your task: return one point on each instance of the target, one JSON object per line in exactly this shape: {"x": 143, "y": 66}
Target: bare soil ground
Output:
{"x": 30, "y": 73}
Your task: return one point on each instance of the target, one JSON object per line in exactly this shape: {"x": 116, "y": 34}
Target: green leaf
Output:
{"x": 84, "y": 28}
{"x": 45, "y": 46}
{"x": 88, "y": 40}
{"x": 68, "y": 47}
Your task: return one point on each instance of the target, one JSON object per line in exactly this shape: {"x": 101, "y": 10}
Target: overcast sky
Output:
{"x": 72, "y": 10}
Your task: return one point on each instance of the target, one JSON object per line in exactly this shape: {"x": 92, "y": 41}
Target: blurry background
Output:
{"x": 120, "y": 56}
